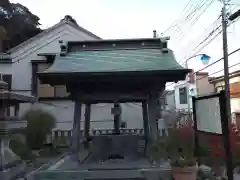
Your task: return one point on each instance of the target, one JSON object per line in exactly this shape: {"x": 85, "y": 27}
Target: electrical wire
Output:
{"x": 175, "y": 22}
{"x": 233, "y": 52}
{"x": 196, "y": 14}
{"x": 202, "y": 42}
{"x": 208, "y": 32}
{"x": 207, "y": 42}
{"x": 179, "y": 24}
{"x": 219, "y": 71}
{"x": 217, "y": 30}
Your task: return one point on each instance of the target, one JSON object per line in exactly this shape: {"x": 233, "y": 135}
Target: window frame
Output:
{"x": 183, "y": 100}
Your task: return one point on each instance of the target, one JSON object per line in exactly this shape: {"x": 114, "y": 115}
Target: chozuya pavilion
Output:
{"x": 111, "y": 71}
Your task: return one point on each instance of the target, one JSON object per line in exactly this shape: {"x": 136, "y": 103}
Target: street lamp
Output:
{"x": 205, "y": 60}
{"x": 203, "y": 57}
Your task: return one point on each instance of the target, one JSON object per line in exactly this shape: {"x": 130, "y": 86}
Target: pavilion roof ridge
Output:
{"x": 112, "y": 44}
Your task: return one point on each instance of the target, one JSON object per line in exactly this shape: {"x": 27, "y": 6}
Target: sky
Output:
{"x": 138, "y": 18}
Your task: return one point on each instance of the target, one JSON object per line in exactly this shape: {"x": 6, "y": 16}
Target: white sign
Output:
{"x": 208, "y": 115}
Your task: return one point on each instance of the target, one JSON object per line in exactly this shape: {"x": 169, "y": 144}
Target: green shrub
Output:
{"x": 39, "y": 124}
{"x": 21, "y": 149}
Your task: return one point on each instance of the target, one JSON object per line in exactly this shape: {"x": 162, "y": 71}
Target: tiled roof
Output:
{"x": 118, "y": 60}
{"x": 49, "y": 30}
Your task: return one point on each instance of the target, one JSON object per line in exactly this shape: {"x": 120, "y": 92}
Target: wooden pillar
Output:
{"x": 145, "y": 122}
{"x": 16, "y": 109}
{"x": 117, "y": 118}
{"x": 1, "y": 46}
{"x": 152, "y": 113}
{"x": 87, "y": 122}
{"x": 76, "y": 128}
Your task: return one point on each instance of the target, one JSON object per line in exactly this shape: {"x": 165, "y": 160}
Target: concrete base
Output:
{"x": 66, "y": 168}
{"x": 157, "y": 173}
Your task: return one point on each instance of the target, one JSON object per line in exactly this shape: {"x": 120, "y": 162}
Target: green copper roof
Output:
{"x": 116, "y": 60}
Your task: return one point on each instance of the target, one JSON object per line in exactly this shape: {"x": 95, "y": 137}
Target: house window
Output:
{"x": 183, "y": 95}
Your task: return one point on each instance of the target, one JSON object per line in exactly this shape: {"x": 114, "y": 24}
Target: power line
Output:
{"x": 209, "y": 35}
{"x": 216, "y": 35}
{"x": 188, "y": 18}
{"x": 219, "y": 71}
{"x": 233, "y": 52}
{"x": 174, "y": 22}
{"x": 202, "y": 42}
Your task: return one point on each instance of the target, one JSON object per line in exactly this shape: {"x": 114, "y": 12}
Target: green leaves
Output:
{"x": 39, "y": 124}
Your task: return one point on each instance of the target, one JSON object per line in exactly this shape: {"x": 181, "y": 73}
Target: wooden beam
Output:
{"x": 87, "y": 124}
{"x": 152, "y": 110}
{"x": 76, "y": 129}
{"x": 145, "y": 122}
{"x": 87, "y": 120}
{"x": 117, "y": 118}
{"x": 93, "y": 98}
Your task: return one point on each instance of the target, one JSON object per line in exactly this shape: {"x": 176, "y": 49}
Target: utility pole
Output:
{"x": 228, "y": 153}
{"x": 225, "y": 19}
{"x": 225, "y": 59}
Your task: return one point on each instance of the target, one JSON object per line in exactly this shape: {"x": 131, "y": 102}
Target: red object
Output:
{"x": 234, "y": 139}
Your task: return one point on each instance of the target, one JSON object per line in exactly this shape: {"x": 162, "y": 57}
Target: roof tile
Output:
{"x": 117, "y": 60}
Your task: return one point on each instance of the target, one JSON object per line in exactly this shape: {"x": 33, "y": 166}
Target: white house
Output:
{"x": 199, "y": 85}
{"x": 37, "y": 54}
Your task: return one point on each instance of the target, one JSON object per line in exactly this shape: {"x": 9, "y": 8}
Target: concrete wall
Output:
{"x": 203, "y": 86}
